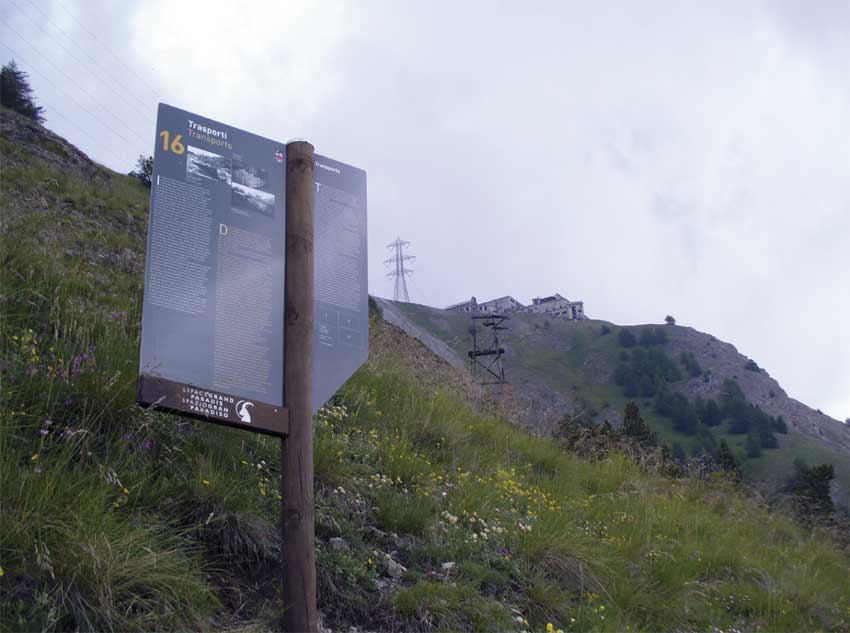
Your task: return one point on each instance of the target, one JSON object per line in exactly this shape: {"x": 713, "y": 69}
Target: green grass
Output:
{"x": 779, "y": 464}
{"x": 656, "y": 553}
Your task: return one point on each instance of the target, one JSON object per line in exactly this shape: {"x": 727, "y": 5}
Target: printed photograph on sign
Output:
{"x": 248, "y": 199}
{"x": 249, "y": 175}
{"x": 202, "y": 166}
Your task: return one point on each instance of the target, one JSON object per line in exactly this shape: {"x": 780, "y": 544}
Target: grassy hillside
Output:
{"x": 573, "y": 362}
{"x": 430, "y": 514}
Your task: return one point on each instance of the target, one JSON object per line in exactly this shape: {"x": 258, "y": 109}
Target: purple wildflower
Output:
{"x": 147, "y": 444}
{"x": 47, "y": 422}
{"x": 43, "y": 432}
{"x": 68, "y": 402}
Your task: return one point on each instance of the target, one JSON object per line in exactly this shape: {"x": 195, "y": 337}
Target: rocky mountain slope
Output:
{"x": 559, "y": 368}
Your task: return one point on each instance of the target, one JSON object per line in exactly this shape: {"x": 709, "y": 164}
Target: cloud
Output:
{"x": 260, "y": 65}
{"x": 648, "y": 158}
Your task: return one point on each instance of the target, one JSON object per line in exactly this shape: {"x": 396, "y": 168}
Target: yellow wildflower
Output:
{"x": 206, "y": 482}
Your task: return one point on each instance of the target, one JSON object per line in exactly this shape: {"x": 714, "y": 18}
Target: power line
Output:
{"x": 56, "y": 111}
{"x": 110, "y": 51}
{"x": 73, "y": 82}
{"x": 131, "y": 102}
{"x": 143, "y": 100}
{"x": 420, "y": 290}
{"x": 400, "y": 272}
{"x": 31, "y": 68}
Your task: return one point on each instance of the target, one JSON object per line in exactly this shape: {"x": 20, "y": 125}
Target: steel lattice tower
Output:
{"x": 398, "y": 269}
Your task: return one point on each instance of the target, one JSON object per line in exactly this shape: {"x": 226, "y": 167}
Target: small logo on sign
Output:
{"x": 278, "y": 156}
{"x": 243, "y": 411}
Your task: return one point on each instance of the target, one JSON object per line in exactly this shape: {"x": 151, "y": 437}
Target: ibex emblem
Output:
{"x": 243, "y": 410}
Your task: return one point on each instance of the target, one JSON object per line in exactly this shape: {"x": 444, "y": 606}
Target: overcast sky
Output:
{"x": 649, "y": 159}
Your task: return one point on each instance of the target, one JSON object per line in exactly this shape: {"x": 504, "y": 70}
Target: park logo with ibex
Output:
{"x": 243, "y": 410}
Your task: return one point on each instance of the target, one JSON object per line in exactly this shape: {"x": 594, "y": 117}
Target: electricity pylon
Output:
{"x": 398, "y": 270}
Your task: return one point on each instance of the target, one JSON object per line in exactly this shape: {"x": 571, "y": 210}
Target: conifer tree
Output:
{"x": 16, "y": 93}
{"x": 634, "y": 426}
{"x": 812, "y": 485}
{"x": 753, "y": 445}
{"x": 727, "y": 461}
{"x": 144, "y": 170}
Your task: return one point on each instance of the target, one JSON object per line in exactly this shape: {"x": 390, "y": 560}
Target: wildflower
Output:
{"x": 34, "y": 457}
{"x": 125, "y": 491}
{"x": 43, "y": 432}
{"x": 47, "y": 422}
{"x": 549, "y": 627}
{"x": 206, "y": 482}
{"x": 147, "y": 444}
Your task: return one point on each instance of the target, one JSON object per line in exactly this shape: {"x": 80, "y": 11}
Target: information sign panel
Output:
{"x": 212, "y": 325}
{"x": 341, "y": 329}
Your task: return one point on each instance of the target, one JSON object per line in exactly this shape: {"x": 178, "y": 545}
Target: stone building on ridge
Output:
{"x": 554, "y": 305}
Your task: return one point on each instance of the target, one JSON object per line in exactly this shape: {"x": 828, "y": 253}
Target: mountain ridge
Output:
{"x": 558, "y": 367}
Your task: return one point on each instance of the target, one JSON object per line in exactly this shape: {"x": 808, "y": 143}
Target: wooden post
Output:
{"x": 299, "y": 554}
